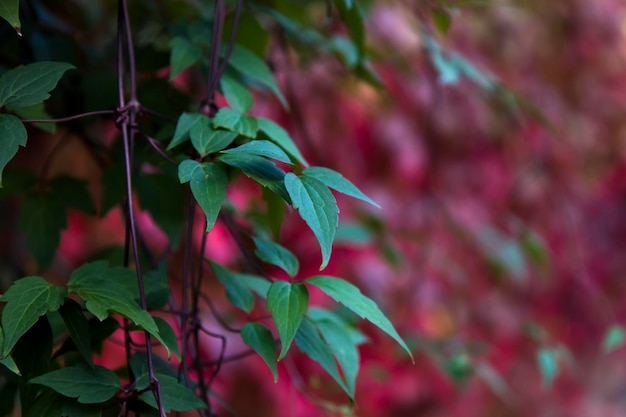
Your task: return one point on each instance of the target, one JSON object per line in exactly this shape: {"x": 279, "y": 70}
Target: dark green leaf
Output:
{"x": 78, "y": 327}
{"x": 13, "y": 134}
{"x": 27, "y": 85}
{"x": 260, "y": 339}
{"x": 337, "y": 182}
{"x": 353, "y": 18}
{"x": 275, "y": 254}
{"x": 17, "y": 181}
{"x": 72, "y": 408}
{"x": 262, "y": 148}
{"x": 73, "y": 193}
{"x": 208, "y": 185}
{"x": 48, "y": 404}
{"x": 260, "y": 169}
{"x": 238, "y": 96}
{"x": 27, "y": 299}
{"x": 36, "y": 111}
{"x": 174, "y": 396}
{"x": 310, "y": 342}
{"x": 89, "y": 385}
{"x": 236, "y": 121}
{"x": 185, "y": 122}
{"x": 168, "y": 335}
{"x": 206, "y": 140}
{"x": 184, "y": 54}
{"x": 280, "y": 136}
{"x": 614, "y": 338}
{"x": 252, "y": 66}
{"x": 10, "y": 364}
{"x": 237, "y": 292}
{"x": 317, "y": 207}
{"x": 351, "y": 297}
{"x": 9, "y": 11}
{"x": 288, "y": 302}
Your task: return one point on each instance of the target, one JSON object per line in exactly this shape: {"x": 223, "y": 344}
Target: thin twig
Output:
{"x": 74, "y": 117}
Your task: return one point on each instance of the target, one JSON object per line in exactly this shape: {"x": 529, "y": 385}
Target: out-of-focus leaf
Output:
{"x": 262, "y": 148}
{"x": 184, "y": 54}
{"x": 548, "y": 362}
{"x": 36, "y": 111}
{"x": 237, "y": 292}
{"x": 280, "y": 136}
{"x": 168, "y": 335}
{"x": 17, "y": 181}
{"x": 30, "y": 84}
{"x": 275, "y": 254}
{"x": 353, "y": 233}
{"x": 236, "y": 121}
{"x": 614, "y": 338}
{"x": 73, "y": 408}
{"x": 353, "y": 18}
{"x": 13, "y": 134}
{"x": 73, "y": 193}
{"x": 78, "y": 327}
{"x": 442, "y": 20}
{"x": 238, "y": 96}
{"x": 260, "y": 339}
{"x": 288, "y": 302}
{"x": 534, "y": 248}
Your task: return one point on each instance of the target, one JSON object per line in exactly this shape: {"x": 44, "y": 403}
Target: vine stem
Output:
{"x": 70, "y": 118}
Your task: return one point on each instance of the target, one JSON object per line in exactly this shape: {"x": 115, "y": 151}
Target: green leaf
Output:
{"x": 96, "y": 284}
{"x": 27, "y": 299}
{"x": 206, "y": 140}
{"x": 548, "y": 362}
{"x": 310, "y": 342}
{"x": 252, "y": 66}
{"x": 353, "y": 18}
{"x": 288, "y": 303}
{"x": 41, "y": 219}
{"x": 30, "y": 84}
{"x": 78, "y": 327}
{"x": 256, "y": 284}
{"x": 317, "y": 207}
{"x": 236, "y": 121}
{"x": 441, "y": 17}
{"x": 13, "y": 134}
{"x": 614, "y": 338}
{"x": 275, "y": 254}
{"x": 168, "y": 335}
{"x": 185, "y": 170}
{"x": 354, "y": 234}
{"x": 73, "y": 193}
{"x": 90, "y": 386}
{"x": 186, "y": 121}
{"x": 262, "y": 148}
{"x": 351, "y": 297}
{"x": 36, "y": 111}
{"x": 9, "y": 11}
{"x": 174, "y": 395}
{"x": 10, "y": 365}
{"x": 184, "y": 54}
{"x": 72, "y": 408}
{"x": 238, "y": 96}
{"x": 208, "y": 185}
{"x": 338, "y": 182}
{"x": 280, "y": 136}
{"x": 260, "y": 169}
{"x": 48, "y": 404}
{"x": 237, "y": 292}
{"x": 260, "y": 339}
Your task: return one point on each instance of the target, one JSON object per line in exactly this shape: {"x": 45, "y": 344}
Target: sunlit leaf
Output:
{"x": 337, "y": 182}
{"x": 260, "y": 339}
{"x": 288, "y": 302}
{"x": 351, "y": 297}
{"x": 13, "y": 134}
{"x": 280, "y": 136}
{"x": 275, "y": 254}
{"x": 30, "y": 84}
{"x": 184, "y": 54}
{"x": 238, "y": 96}
{"x": 236, "y": 121}
{"x": 262, "y": 148}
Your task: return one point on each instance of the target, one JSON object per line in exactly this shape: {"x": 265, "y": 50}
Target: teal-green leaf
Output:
{"x": 186, "y": 121}
{"x": 237, "y": 292}
{"x": 337, "y": 182}
{"x": 262, "y": 148}
{"x": 614, "y": 338}
{"x": 208, "y": 185}
{"x": 310, "y": 342}
{"x": 90, "y": 386}
{"x": 13, "y": 134}
{"x": 168, "y": 335}
{"x": 317, "y": 207}
{"x": 174, "y": 395}
{"x": 351, "y": 297}
{"x": 9, "y": 11}
{"x": 27, "y": 299}
{"x": 275, "y": 254}
{"x": 260, "y": 339}
{"x": 256, "y": 284}
{"x": 252, "y": 66}
{"x": 353, "y": 18}
{"x": 288, "y": 302}
{"x": 236, "y": 121}
{"x": 207, "y": 140}
{"x": 184, "y": 54}
{"x": 185, "y": 170}
{"x": 280, "y": 136}
{"x": 30, "y": 84}
{"x": 238, "y": 96}
{"x": 78, "y": 327}
{"x": 548, "y": 362}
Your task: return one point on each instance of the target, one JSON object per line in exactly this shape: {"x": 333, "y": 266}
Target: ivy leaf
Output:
{"x": 27, "y": 299}
{"x": 30, "y": 84}
{"x": 9, "y": 11}
{"x": 208, "y": 185}
{"x": 262, "y": 148}
{"x": 238, "y": 96}
{"x": 184, "y": 54}
{"x": 78, "y": 327}
{"x": 174, "y": 395}
{"x": 206, "y": 140}
{"x": 338, "y": 182}
{"x": 236, "y": 121}
{"x": 614, "y": 338}
{"x": 236, "y": 291}
{"x": 351, "y": 297}
{"x": 186, "y": 121}
{"x": 250, "y": 65}
{"x": 73, "y": 193}
{"x": 280, "y": 136}
{"x": 168, "y": 335}
{"x": 90, "y": 386}
{"x": 260, "y": 339}
{"x": 275, "y": 254}
{"x": 288, "y": 303}
{"x": 13, "y": 134}
{"x": 317, "y": 207}
{"x": 310, "y": 342}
